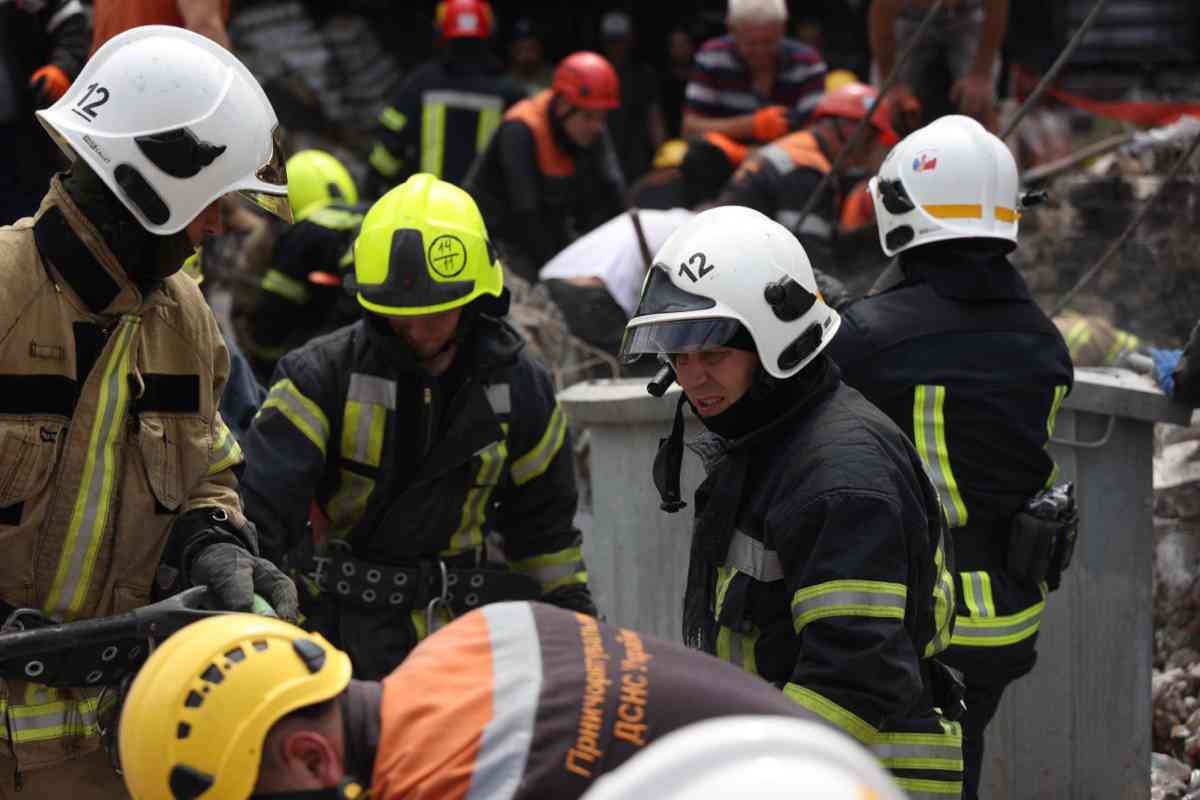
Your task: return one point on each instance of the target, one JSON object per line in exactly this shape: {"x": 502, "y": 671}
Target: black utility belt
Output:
{"x": 105, "y": 664}
{"x": 1042, "y": 540}
{"x": 417, "y": 586}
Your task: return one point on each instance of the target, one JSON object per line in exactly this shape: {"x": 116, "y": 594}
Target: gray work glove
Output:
{"x": 234, "y": 576}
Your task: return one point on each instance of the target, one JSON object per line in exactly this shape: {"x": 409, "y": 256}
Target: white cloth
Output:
{"x": 611, "y": 253}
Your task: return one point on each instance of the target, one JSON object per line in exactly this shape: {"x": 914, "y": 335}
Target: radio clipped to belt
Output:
{"x": 1043, "y": 537}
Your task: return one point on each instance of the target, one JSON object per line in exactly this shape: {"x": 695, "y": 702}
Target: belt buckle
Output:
{"x": 442, "y": 599}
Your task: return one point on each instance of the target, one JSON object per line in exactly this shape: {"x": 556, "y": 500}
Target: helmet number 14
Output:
{"x": 700, "y": 262}
{"x": 89, "y": 109}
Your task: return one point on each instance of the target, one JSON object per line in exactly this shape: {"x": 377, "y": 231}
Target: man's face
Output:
{"x": 715, "y": 379}
{"x": 583, "y": 125}
{"x": 207, "y": 223}
{"x": 758, "y": 43}
{"x": 428, "y": 335}
{"x": 680, "y": 48}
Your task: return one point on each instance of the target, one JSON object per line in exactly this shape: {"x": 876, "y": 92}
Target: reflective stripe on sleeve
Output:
{"x": 994, "y": 631}
{"x": 555, "y": 570}
{"x": 55, "y": 719}
{"x": 538, "y": 460}
{"x": 1079, "y": 334}
{"x": 303, "y": 413}
{"x": 285, "y": 286}
{"x": 825, "y": 708}
{"x": 943, "y": 604}
{"x": 225, "y": 452}
{"x": 99, "y": 481}
{"x": 848, "y": 598}
{"x": 929, "y": 435}
{"x": 392, "y": 119}
{"x": 516, "y": 687}
{"x": 348, "y": 505}
{"x": 1060, "y": 393}
{"x": 930, "y": 753}
{"x": 383, "y": 161}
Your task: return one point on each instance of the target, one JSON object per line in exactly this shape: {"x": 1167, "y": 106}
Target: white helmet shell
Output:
{"x": 727, "y": 266}
{"x": 171, "y": 121}
{"x": 753, "y": 757}
{"x": 951, "y": 179}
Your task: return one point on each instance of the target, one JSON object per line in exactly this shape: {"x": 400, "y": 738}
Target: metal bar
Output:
{"x": 857, "y": 137}
{"x": 1055, "y": 68}
{"x": 1072, "y": 160}
{"x": 1133, "y": 225}
{"x": 1095, "y": 444}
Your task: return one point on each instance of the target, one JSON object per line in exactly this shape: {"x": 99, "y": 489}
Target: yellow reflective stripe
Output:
{"x": 383, "y": 161}
{"x": 848, "y": 598}
{"x": 943, "y": 604}
{"x": 433, "y": 137}
{"x": 57, "y": 719}
{"x": 929, "y": 435}
{"x": 738, "y": 648}
{"x": 335, "y": 219}
{"x": 822, "y": 706}
{"x": 538, "y": 460}
{"x": 363, "y": 426}
{"x": 489, "y": 120}
{"x": 304, "y": 414}
{"x": 98, "y": 484}
{"x": 347, "y": 506}
{"x": 1007, "y": 214}
{"x": 1079, "y": 334}
{"x": 918, "y": 789}
{"x": 392, "y": 119}
{"x": 469, "y": 534}
{"x": 554, "y": 570}
{"x": 225, "y": 451}
{"x": 998, "y": 631}
{"x": 285, "y": 286}
{"x": 977, "y": 593}
{"x": 1060, "y": 392}
{"x": 955, "y": 211}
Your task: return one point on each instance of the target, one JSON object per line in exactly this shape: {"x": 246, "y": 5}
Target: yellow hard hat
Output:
{"x": 199, "y": 710}
{"x": 833, "y": 81}
{"x": 670, "y": 154}
{"x": 316, "y": 179}
{"x": 423, "y": 249}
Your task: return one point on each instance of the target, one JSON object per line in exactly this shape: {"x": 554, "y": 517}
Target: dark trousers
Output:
{"x": 982, "y": 700}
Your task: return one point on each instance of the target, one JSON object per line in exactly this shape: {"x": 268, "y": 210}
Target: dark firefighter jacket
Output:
{"x": 836, "y": 583}
{"x": 967, "y": 365}
{"x": 441, "y": 118}
{"x": 291, "y": 308}
{"x": 537, "y": 192}
{"x": 405, "y": 466}
{"x": 778, "y": 180}
{"x": 536, "y": 702}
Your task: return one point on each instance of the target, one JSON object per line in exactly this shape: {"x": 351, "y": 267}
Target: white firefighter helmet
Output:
{"x": 754, "y": 757}
{"x": 951, "y": 179}
{"x": 728, "y": 267}
{"x": 171, "y": 121}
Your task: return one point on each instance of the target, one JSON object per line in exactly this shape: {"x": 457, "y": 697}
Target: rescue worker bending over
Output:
{"x": 818, "y": 556}
{"x": 445, "y": 112}
{"x": 515, "y": 700}
{"x": 951, "y": 347}
{"x": 417, "y": 432}
{"x": 779, "y": 179}
{"x": 550, "y": 173}
{"x": 300, "y": 293}
{"x": 116, "y": 468}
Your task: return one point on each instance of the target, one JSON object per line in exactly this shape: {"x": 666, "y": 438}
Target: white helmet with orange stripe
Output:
{"x": 753, "y": 757}
{"x": 951, "y": 179}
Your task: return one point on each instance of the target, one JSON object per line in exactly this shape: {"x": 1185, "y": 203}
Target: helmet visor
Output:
{"x": 273, "y": 174}
{"x": 677, "y": 336}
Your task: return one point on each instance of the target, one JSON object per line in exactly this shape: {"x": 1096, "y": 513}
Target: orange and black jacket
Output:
{"x": 532, "y": 701}
{"x": 538, "y": 192}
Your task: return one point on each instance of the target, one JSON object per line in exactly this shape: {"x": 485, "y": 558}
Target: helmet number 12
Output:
{"x": 700, "y": 262}
{"x": 89, "y": 109}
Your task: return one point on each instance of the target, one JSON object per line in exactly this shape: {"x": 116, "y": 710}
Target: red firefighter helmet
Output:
{"x": 853, "y": 101}
{"x": 587, "y": 80}
{"x": 464, "y": 19}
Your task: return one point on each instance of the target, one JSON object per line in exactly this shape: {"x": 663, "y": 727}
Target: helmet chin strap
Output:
{"x": 347, "y": 789}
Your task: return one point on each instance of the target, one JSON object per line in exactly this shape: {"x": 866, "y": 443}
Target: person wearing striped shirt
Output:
{"x": 753, "y": 84}
{"x": 951, "y": 346}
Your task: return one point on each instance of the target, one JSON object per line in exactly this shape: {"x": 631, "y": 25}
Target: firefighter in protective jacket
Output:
{"x": 818, "y": 557}
{"x": 951, "y": 346}
{"x": 116, "y": 469}
{"x": 416, "y": 432}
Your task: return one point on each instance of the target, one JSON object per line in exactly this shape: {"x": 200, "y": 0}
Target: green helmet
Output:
{"x": 423, "y": 249}
{"x": 316, "y": 179}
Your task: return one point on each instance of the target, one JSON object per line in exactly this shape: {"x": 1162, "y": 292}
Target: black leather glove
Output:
{"x": 234, "y": 576}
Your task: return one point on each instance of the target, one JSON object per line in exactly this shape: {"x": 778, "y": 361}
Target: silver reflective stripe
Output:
{"x": 747, "y": 554}
{"x": 849, "y": 601}
{"x": 949, "y": 749}
{"x": 965, "y": 633}
{"x": 61, "y": 16}
{"x": 778, "y": 158}
{"x": 977, "y": 595}
{"x": 372, "y": 389}
{"x": 500, "y": 398}
{"x": 516, "y": 687}
{"x": 452, "y": 99}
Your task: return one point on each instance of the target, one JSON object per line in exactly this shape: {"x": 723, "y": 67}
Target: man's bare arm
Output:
{"x": 740, "y": 127}
{"x": 205, "y": 17}
{"x": 995, "y": 25}
{"x": 881, "y": 25}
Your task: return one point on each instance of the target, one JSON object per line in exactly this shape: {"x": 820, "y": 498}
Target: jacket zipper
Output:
{"x": 428, "y": 445}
